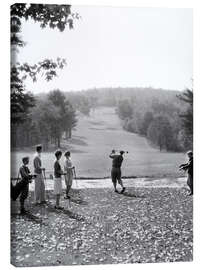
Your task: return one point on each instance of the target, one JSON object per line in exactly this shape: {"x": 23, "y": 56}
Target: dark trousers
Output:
{"x": 116, "y": 175}
{"x": 24, "y": 194}
{"x": 190, "y": 182}
{"x": 17, "y": 189}
{"x": 20, "y": 189}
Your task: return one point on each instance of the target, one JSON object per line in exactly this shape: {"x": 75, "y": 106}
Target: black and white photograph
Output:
{"x": 101, "y": 127}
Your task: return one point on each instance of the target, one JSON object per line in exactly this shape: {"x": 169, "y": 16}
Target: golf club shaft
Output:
{"x": 75, "y": 178}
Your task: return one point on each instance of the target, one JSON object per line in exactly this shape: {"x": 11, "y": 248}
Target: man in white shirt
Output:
{"x": 39, "y": 181}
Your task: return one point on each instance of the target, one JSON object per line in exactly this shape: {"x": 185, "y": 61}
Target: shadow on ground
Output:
{"x": 132, "y": 195}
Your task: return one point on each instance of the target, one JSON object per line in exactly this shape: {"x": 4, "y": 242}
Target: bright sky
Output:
{"x": 111, "y": 47}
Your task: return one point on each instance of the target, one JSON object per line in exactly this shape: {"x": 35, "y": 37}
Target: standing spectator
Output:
{"x": 57, "y": 179}
{"x": 39, "y": 181}
{"x": 68, "y": 170}
{"x": 189, "y": 168}
{"x": 26, "y": 179}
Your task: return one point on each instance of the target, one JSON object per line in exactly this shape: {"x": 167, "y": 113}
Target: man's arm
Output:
{"x": 113, "y": 154}
{"x": 187, "y": 165}
{"x": 182, "y": 165}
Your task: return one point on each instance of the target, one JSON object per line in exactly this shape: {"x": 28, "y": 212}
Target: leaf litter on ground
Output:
{"x": 155, "y": 226}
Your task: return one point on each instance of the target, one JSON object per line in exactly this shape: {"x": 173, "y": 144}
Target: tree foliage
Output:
{"x": 85, "y": 106}
{"x": 147, "y": 119}
{"x": 142, "y": 107}
{"x": 160, "y": 133}
{"x": 47, "y": 122}
{"x": 46, "y": 68}
{"x": 137, "y": 107}
{"x": 46, "y": 118}
{"x": 21, "y": 101}
{"x": 52, "y": 16}
{"x": 68, "y": 118}
{"x": 187, "y": 116}
{"x": 125, "y": 109}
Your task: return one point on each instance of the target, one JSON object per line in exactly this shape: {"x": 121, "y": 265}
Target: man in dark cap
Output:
{"x": 22, "y": 187}
{"x": 116, "y": 169}
{"x": 26, "y": 177}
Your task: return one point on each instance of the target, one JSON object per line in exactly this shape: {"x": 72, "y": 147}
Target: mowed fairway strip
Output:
{"x": 94, "y": 138}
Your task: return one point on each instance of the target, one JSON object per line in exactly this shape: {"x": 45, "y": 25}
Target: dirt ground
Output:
{"x": 98, "y": 226}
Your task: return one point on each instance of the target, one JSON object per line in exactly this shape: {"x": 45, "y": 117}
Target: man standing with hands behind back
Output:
{"x": 116, "y": 169}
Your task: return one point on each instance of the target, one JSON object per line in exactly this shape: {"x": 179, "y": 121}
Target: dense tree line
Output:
{"x": 166, "y": 123}
{"x": 186, "y": 134}
{"x": 50, "y": 120}
{"x": 164, "y": 117}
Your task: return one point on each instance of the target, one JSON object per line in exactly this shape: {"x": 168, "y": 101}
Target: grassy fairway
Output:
{"x": 96, "y": 136}
{"x": 142, "y": 225}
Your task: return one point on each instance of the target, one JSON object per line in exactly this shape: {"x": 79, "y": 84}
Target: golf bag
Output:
{"x": 17, "y": 189}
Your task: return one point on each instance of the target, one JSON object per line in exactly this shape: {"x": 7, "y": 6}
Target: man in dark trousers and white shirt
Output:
{"x": 116, "y": 169}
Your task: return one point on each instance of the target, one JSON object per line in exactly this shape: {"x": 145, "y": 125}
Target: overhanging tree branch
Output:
{"x": 53, "y": 16}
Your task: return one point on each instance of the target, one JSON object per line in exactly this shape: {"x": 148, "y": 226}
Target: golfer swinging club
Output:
{"x": 116, "y": 169}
